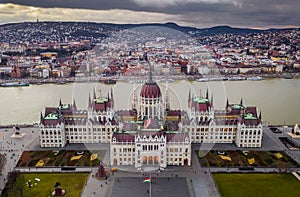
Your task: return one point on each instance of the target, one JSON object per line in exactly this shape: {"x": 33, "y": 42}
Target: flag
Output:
{"x": 147, "y": 180}
{"x": 147, "y": 123}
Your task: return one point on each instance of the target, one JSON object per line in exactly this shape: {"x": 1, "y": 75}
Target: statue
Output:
{"x": 101, "y": 172}
{"x": 58, "y": 191}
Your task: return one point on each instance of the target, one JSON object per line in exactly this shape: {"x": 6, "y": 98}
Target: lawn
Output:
{"x": 255, "y": 185}
{"x": 72, "y": 183}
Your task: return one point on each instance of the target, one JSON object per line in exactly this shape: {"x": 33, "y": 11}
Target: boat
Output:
{"x": 236, "y": 78}
{"x": 108, "y": 81}
{"x": 60, "y": 82}
{"x": 255, "y": 78}
{"x": 288, "y": 77}
{"x": 202, "y": 79}
{"x": 14, "y": 84}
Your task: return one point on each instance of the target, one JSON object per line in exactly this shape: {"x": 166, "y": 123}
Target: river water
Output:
{"x": 277, "y": 99}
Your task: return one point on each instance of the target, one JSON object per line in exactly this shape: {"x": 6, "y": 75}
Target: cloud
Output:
{"x": 199, "y": 13}
{"x": 165, "y": 3}
{"x": 19, "y": 13}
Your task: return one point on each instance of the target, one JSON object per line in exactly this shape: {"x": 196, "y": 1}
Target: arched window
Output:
{"x": 145, "y": 160}
{"x": 150, "y": 160}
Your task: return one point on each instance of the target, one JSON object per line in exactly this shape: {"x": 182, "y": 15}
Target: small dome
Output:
{"x": 150, "y": 90}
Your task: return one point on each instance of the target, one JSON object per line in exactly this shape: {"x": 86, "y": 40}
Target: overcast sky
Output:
{"x": 197, "y": 13}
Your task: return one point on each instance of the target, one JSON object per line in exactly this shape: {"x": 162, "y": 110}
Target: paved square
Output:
{"x": 161, "y": 186}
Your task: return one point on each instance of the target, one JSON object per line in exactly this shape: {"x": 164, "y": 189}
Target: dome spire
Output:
{"x": 150, "y": 72}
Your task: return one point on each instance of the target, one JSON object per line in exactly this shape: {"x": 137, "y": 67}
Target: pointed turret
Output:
{"x": 167, "y": 98}
{"x": 41, "y": 118}
{"x": 241, "y": 102}
{"x": 260, "y": 115}
{"x": 60, "y": 102}
{"x": 227, "y": 103}
{"x": 74, "y": 104}
{"x": 189, "y": 98}
{"x": 206, "y": 94}
{"x": 94, "y": 94}
{"x": 111, "y": 94}
{"x": 111, "y": 98}
{"x": 134, "y": 103}
{"x": 89, "y": 101}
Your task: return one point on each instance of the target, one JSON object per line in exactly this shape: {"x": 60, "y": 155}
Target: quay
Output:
{"x": 141, "y": 78}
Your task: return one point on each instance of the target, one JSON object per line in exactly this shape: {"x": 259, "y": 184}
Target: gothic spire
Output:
{"x": 89, "y": 104}
{"x": 260, "y": 115}
{"x": 74, "y": 104}
{"x": 94, "y": 94}
{"x": 150, "y": 71}
{"x": 207, "y": 93}
{"x": 111, "y": 94}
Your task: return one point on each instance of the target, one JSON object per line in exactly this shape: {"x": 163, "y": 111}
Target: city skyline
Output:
{"x": 196, "y": 13}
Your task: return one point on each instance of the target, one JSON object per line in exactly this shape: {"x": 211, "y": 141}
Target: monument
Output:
{"x": 101, "y": 172}
{"x": 58, "y": 191}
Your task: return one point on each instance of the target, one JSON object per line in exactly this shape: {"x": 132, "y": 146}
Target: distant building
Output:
{"x": 15, "y": 72}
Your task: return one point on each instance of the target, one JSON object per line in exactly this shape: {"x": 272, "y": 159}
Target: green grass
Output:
{"x": 72, "y": 183}
{"x": 256, "y": 185}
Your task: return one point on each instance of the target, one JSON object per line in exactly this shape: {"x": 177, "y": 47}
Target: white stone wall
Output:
{"x": 122, "y": 153}
{"x": 150, "y": 151}
{"x": 179, "y": 153}
{"x": 212, "y": 133}
{"x": 52, "y": 136}
{"x": 89, "y": 133}
{"x": 249, "y": 136}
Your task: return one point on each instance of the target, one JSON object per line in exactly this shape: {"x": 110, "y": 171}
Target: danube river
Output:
{"x": 277, "y": 99}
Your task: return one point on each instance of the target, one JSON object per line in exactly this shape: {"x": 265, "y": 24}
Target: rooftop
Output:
{"x": 200, "y": 100}
{"x": 51, "y": 116}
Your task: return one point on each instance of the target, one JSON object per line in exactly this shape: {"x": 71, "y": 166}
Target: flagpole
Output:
{"x": 150, "y": 186}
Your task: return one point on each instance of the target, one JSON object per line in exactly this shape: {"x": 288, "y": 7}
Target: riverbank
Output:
{"x": 65, "y": 80}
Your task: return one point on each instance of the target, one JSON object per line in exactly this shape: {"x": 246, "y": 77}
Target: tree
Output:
{"x": 19, "y": 186}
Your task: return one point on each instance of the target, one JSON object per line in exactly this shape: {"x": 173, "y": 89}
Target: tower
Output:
{"x": 167, "y": 98}
{"x": 150, "y": 100}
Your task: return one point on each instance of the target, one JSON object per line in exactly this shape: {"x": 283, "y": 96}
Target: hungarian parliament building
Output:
{"x": 150, "y": 133}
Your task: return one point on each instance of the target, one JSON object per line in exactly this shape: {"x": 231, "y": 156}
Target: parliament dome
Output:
{"x": 150, "y": 90}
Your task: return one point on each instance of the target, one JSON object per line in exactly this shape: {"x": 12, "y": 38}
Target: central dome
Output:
{"x": 150, "y": 90}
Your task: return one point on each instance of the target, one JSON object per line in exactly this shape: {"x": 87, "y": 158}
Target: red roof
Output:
{"x": 175, "y": 137}
{"x": 49, "y": 110}
{"x": 150, "y": 90}
{"x": 124, "y": 137}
